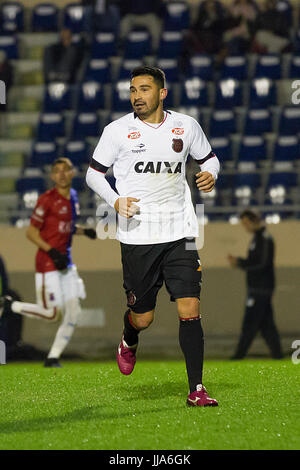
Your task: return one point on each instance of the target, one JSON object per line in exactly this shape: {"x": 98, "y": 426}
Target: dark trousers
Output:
{"x": 259, "y": 318}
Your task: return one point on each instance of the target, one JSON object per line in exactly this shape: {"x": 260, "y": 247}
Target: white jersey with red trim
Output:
{"x": 149, "y": 164}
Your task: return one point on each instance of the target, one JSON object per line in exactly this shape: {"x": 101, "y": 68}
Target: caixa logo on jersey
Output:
{"x": 158, "y": 167}
{"x": 134, "y": 135}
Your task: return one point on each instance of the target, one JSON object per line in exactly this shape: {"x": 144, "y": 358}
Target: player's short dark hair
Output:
{"x": 250, "y": 214}
{"x": 157, "y": 74}
{"x": 60, "y": 160}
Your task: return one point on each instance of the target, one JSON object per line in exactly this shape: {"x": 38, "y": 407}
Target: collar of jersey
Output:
{"x": 148, "y": 124}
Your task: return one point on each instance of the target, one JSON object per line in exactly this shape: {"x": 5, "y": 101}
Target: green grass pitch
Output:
{"x": 89, "y": 405}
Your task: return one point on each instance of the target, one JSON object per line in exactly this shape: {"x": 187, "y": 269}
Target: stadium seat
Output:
{"x": 74, "y": 17}
{"x": 258, "y": 121}
{"x": 228, "y": 94}
{"x": 252, "y": 150}
{"x": 268, "y": 65}
{"x": 262, "y": 93}
{"x": 121, "y": 96}
{"x": 249, "y": 180}
{"x": 201, "y": 66}
{"x": 287, "y": 179}
{"x": 20, "y": 131}
{"x": 12, "y": 17}
{"x": 289, "y": 122}
{"x": 7, "y": 185}
{"x": 294, "y": 67}
{"x": 57, "y": 97}
{"x": 97, "y": 70}
{"x": 169, "y": 101}
{"x": 222, "y": 123}
{"x": 126, "y": 66}
{"x": 11, "y": 159}
{"x": 224, "y": 182}
{"x": 192, "y": 111}
{"x": 85, "y": 125}
{"x": 43, "y": 153}
{"x": 77, "y": 152}
{"x": 235, "y": 67}
{"x": 170, "y": 44}
{"x": 50, "y": 127}
{"x": 297, "y": 41}
{"x": 137, "y": 45}
{"x": 222, "y": 148}
{"x": 170, "y": 67}
{"x": 9, "y": 45}
{"x": 177, "y": 16}
{"x": 91, "y": 97}
{"x": 28, "y": 184}
{"x": 79, "y": 184}
{"x": 103, "y": 46}
{"x": 286, "y": 9}
{"x": 44, "y": 17}
{"x": 193, "y": 92}
{"x": 286, "y": 149}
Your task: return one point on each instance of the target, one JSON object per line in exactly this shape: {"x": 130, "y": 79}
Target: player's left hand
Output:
{"x": 205, "y": 181}
{"x": 90, "y": 233}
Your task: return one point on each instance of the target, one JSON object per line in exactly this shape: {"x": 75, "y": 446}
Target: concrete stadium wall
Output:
{"x": 222, "y": 298}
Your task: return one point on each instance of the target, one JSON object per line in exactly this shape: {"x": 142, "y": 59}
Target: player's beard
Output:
{"x": 145, "y": 113}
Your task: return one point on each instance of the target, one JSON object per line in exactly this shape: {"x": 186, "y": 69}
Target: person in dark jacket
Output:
{"x": 259, "y": 267}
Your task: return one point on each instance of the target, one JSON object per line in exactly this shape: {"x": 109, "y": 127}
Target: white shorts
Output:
{"x": 55, "y": 288}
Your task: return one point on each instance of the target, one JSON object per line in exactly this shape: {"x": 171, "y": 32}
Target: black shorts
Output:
{"x": 146, "y": 267}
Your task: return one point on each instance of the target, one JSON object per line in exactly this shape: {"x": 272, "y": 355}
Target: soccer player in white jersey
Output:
{"x": 148, "y": 149}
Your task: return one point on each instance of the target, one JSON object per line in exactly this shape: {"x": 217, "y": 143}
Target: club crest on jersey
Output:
{"x": 177, "y": 145}
{"x": 134, "y": 135}
{"x": 178, "y": 130}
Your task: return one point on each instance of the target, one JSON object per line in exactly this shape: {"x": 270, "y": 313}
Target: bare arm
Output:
{"x": 33, "y": 234}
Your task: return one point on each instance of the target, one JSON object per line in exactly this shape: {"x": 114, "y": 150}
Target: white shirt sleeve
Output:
{"x": 99, "y": 184}
{"x": 106, "y": 150}
{"x": 199, "y": 146}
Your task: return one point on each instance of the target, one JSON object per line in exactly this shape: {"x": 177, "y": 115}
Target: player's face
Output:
{"x": 62, "y": 175}
{"x": 248, "y": 225}
{"x": 145, "y": 95}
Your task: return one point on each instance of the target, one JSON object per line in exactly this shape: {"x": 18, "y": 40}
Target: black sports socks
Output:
{"x": 130, "y": 332}
{"x": 192, "y": 345}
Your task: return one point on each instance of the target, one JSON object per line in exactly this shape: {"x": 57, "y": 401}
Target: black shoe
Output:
{"x": 5, "y": 303}
{"x": 52, "y": 362}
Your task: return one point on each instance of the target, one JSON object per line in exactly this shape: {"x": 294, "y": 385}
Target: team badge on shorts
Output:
{"x": 177, "y": 145}
{"x": 131, "y": 298}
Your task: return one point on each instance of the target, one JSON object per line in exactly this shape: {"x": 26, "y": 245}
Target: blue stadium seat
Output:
{"x": 9, "y": 44}
{"x": 91, "y": 97}
{"x": 235, "y": 67}
{"x": 286, "y": 9}
{"x": 252, "y": 149}
{"x": 193, "y": 92}
{"x": 57, "y": 98}
{"x": 268, "y": 65}
{"x": 50, "y": 127}
{"x": 43, "y": 153}
{"x": 258, "y": 121}
{"x": 286, "y": 149}
{"x": 294, "y": 66}
{"x": 228, "y": 94}
{"x": 170, "y": 44}
{"x": 297, "y": 41}
{"x": 126, "y": 66}
{"x": 79, "y": 184}
{"x": 97, "y": 70}
{"x": 77, "y": 151}
{"x": 121, "y": 96}
{"x": 192, "y": 111}
{"x": 137, "y": 45}
{"x": 28, "y": 184}
{"x": 170, "y": 67}
{"x": 201, "y": 66}
{"x": 250, "y": 180}
{"x": 44, "y": 17}
{"x": 222, "y": 123}
{"x": 74, "y": 17}
{"x": 262, "y": 93}
{"x": 12, "y": 17}
{"x": 177, "y": 16}
{"x": 289, "y": 122}
{"x": 222, "y": 148}
{"x": 287, "y": 179}
{"x": 85, "y": 125}
{"x": 103, "y": 45}
{"x": 169, "y": 101}
{"x": 224, "y": 181}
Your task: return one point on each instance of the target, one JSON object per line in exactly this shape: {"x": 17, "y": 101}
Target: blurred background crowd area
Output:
{"x": 232, "y": 65}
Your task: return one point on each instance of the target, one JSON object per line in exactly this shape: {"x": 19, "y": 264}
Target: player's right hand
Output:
{"x": 125, "y": 206}
{"x": 59, "y": 259}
